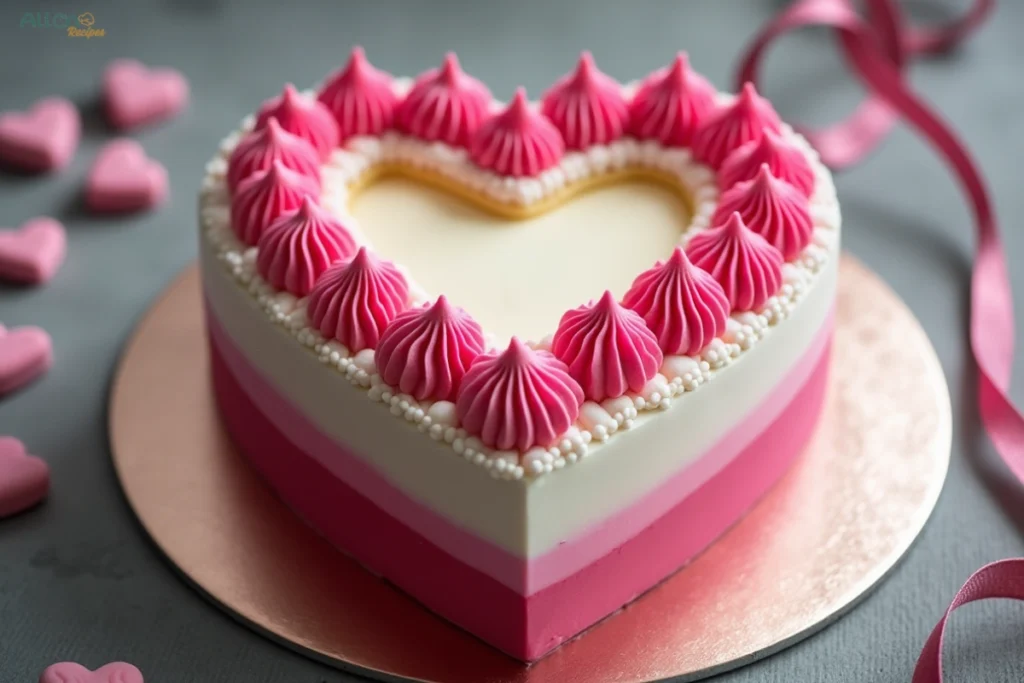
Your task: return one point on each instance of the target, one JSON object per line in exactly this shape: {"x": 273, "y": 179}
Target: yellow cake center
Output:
{"x": 518, "y": 276}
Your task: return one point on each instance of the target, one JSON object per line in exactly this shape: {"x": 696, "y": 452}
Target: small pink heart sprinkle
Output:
{"x": 25, "y": 354}
{"x": 69, "y": 672}
{"x": 123, "y": 179}
{"x": 32, "y": 253}
{"x": 42, "y": 139}
{"x": 24, "y": 478}
{"x": 135, "y": 94}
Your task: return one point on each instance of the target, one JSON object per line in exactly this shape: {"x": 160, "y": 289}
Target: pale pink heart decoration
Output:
{"x": 42, "y": 139}
{"x": 24, "y": 478}
{"x": 123, "y": 179}
{"x": 25, "y": 354}
{"x": 134, "y": 94}
{"x": 69, "y": 672}
{"x": 32, "y": 253}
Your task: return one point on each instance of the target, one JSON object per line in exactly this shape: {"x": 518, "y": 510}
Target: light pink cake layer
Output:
{"x": 524, "y": 626}
{"x": 523, "y": 575}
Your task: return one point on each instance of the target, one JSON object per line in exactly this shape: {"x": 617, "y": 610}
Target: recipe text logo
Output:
{"x": 81, "y": 26}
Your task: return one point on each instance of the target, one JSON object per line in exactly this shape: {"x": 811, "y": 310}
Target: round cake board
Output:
{"x": 835, "y": 525}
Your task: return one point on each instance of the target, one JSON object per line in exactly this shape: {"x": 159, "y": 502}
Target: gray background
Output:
{"x": 78, "y": 578}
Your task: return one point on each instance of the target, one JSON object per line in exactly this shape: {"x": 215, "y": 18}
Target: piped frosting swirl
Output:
{"x": 264, "y": 196}
{"x": 773, "y": 209}
{"x": 260, "y": 148}
{"x": 607, "y": 348}
{"x": 299, "y": 246}
{"x": 748, "y": 268}
{"x": 681, "y": 304}
{"x": 784, "y": 160}
{"x": 302, "y": 116}
{"x": 426, "y": 352}
{"x": 360, "y": 97}
{"x": 518, "y": 398}
{"x": 733, "y": 125}
{"x": 356, "y": 299}
{"x": 586, "y": 106}
{"x": 671, "y": 104}
{"x": 517, "y": 142}
{"x": 445, "y": 105}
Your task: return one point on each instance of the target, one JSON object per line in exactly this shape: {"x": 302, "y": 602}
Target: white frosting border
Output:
{"x": 679, "y": 374}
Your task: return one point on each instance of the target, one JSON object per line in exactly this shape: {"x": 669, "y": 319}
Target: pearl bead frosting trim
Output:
{"x": 597, "y": 422}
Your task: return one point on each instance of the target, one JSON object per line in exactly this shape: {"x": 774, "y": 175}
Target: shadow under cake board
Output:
{"x": 833, "y": 527}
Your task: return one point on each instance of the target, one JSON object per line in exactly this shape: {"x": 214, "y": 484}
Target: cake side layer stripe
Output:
{"x": 524, "y": 575}
{"x": 524, "y": 627}
{"x": 688, "y": 529}
{"x": 594, "y": 542}
{"x": 347, "y": 467}
{"x": 359, "y": 528}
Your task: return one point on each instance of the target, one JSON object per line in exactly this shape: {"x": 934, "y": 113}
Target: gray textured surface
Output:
{"x": 78, "y": 579}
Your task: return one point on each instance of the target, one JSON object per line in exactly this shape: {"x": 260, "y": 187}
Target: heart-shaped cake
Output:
{"x": 523, "y": 359}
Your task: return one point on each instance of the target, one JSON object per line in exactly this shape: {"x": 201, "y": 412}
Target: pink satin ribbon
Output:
{"x": 878, "y": 48}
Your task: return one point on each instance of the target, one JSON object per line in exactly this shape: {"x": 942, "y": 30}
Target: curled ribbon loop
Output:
{"x": 845, "y": 143}
{"x": 877, "y": 50}
{"x": 1003, "y": 579}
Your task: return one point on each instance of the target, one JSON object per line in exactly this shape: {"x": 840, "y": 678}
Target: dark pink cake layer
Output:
{"x": 525, "y": 627}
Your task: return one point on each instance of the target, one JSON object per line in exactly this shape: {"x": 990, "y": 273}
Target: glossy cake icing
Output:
{"x": 529, "y": 482}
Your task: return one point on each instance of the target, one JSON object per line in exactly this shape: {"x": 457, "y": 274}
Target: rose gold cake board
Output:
{"x": 834, "y": 526}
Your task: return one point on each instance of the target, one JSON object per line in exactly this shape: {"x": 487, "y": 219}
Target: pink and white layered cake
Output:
{"x": 523, "y": 360}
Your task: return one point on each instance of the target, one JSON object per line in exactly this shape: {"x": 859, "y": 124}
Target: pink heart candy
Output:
{"x": 24, "y": 478}
{"x": 123, "y": 178}
{"x": 136, "y": 95}
{"x": 32, "y": 253}
{"x": 25, "y": 354}
{"x": 42, "y": 139}
{"x": 69, "y": 672}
